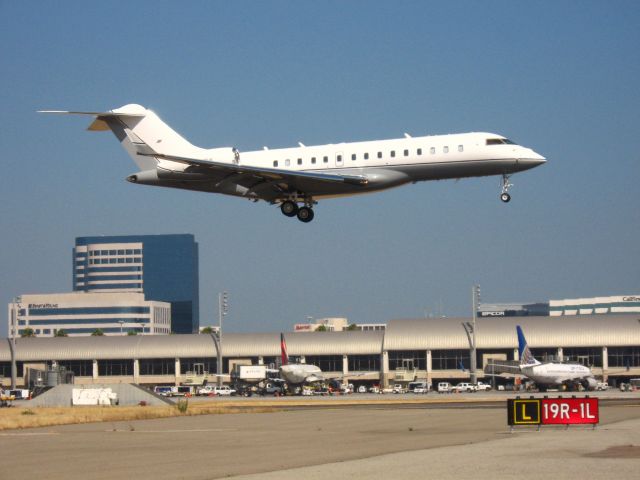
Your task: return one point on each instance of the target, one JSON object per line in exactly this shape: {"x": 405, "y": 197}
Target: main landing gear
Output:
{"x": 504, "y": 196}
{"x": 290, "y": 208}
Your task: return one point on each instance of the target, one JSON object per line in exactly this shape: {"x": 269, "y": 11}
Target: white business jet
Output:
{"x": 553, "y": 374}
{"x": 296, "y": 178}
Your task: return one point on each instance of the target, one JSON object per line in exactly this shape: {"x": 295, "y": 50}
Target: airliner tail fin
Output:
{"x": 526, "y": 357}
{"x": 283, "y": 350}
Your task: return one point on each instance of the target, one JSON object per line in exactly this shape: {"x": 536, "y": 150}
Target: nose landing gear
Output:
{"x": 504, "y": 196}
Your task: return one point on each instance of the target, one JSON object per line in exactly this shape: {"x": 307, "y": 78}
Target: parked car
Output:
{"x": 224, "y": 390}
{"x": 465, "y": 387}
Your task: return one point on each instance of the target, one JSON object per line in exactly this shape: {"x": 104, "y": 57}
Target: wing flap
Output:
{"x": 265, "y": 173}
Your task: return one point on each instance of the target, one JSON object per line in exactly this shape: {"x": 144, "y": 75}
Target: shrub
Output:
{"x": 182, "y": 405}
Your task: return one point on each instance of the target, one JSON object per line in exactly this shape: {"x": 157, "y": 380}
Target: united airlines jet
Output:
{"x": 552, "y": 374}
{"x": 296, "y": 178}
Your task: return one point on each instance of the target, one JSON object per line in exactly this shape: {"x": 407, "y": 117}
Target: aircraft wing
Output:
{"x": 265, "y": 183}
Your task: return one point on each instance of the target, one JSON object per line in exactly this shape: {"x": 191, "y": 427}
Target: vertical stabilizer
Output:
{"x": 283, "y": 350}
{"x": 526, "y": 357}
{"x": 141, "y": 133}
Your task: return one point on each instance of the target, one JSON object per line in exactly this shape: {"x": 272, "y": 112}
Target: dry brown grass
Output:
{"x": 16, "y": 418}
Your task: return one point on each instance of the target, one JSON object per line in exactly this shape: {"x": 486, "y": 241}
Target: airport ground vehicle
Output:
{"x": 444, "y": 387}
{"x": 20, "y": 394}
{"x": 164, "y": 390}
{"x": 271, "y": 389}
{"x": 197, "y": 376}
{"x": 397, "y": 388}
{"x": 183, "y": 391}
{"x": 362, "y": 389}
{"x": 464, "y": 387}
{"x": 602, "y": 386}
{"x": 422, "y": 387}
{"x": 224, "y": 390}
{"x": 483, "y": 387}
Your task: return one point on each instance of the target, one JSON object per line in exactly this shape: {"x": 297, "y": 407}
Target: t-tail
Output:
{"x": 152, "y": 144}
{"x": 283, "y": 350}
{"x": 526, "y": 357}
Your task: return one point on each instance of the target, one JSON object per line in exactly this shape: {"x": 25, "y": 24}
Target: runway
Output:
{"x": 338, "y": 442}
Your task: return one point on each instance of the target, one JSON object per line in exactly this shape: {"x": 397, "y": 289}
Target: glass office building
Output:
{"x": 163, "y": 267}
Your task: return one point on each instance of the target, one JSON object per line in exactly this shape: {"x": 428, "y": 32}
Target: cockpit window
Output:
{"x": 499, "y": 141}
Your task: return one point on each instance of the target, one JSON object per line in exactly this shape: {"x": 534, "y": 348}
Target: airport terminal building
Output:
{"x": 430, "y": 349}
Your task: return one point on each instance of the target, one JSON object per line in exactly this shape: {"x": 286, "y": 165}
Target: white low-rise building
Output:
{"x": 83, "y": 313}
{"x": 595, "y": 305}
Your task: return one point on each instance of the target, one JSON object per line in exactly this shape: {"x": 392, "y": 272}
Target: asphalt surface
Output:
{"x": 339, "y": 442}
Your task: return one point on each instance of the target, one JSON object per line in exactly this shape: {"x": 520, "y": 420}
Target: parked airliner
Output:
{"x": 297, "y": 374}
{"x": 552, "y": 374}
{"x": 296, "y": 178}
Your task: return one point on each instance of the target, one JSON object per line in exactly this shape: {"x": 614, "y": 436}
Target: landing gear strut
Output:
{"x": 504, "y": 196}
{"x": 304, "y": 213}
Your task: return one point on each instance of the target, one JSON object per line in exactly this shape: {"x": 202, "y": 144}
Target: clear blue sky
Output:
{"x": 560, "y": 77}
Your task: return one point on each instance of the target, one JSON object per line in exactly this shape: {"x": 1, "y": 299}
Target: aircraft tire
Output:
{"x": 305, "y": 214}
{"x": 505, "y": 197}
{"x": 289, "y": 208}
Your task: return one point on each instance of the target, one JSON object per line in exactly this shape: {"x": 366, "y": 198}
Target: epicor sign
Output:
{"x": 553, "y": 411}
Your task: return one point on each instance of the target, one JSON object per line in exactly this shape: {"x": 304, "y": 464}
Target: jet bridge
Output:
{"x": 498, "y": 367}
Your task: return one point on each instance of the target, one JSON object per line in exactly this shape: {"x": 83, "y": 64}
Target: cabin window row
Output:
{"x": 365, "y": 156}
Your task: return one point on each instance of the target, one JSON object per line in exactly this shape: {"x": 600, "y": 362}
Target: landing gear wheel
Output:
{"x": 305, "y": 214}
{"x": 289, "y": 208}
{"x": 504, "y": 195}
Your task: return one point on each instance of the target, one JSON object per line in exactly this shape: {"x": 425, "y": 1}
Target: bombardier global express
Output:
{"x": 296, "y": 178}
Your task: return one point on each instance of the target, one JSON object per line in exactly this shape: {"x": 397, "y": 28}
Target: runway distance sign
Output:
{"x": 553, "y": 411}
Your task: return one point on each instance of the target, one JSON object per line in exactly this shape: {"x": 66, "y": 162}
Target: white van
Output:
{"x": 444, "y": 387}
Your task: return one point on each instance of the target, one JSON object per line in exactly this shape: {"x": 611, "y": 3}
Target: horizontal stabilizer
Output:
{"x": 99, "y": 125}
{"x": 95, "y": 114}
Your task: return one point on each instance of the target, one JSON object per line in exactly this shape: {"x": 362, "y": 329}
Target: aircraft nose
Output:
{"x": 531, "y": 159}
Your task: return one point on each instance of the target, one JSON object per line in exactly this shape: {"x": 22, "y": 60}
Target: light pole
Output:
{"x": 470, "y": 329}
{"x": 121, "y": 322}
{"x": 14, "y": 332}
{"x": 223, "y": 309}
